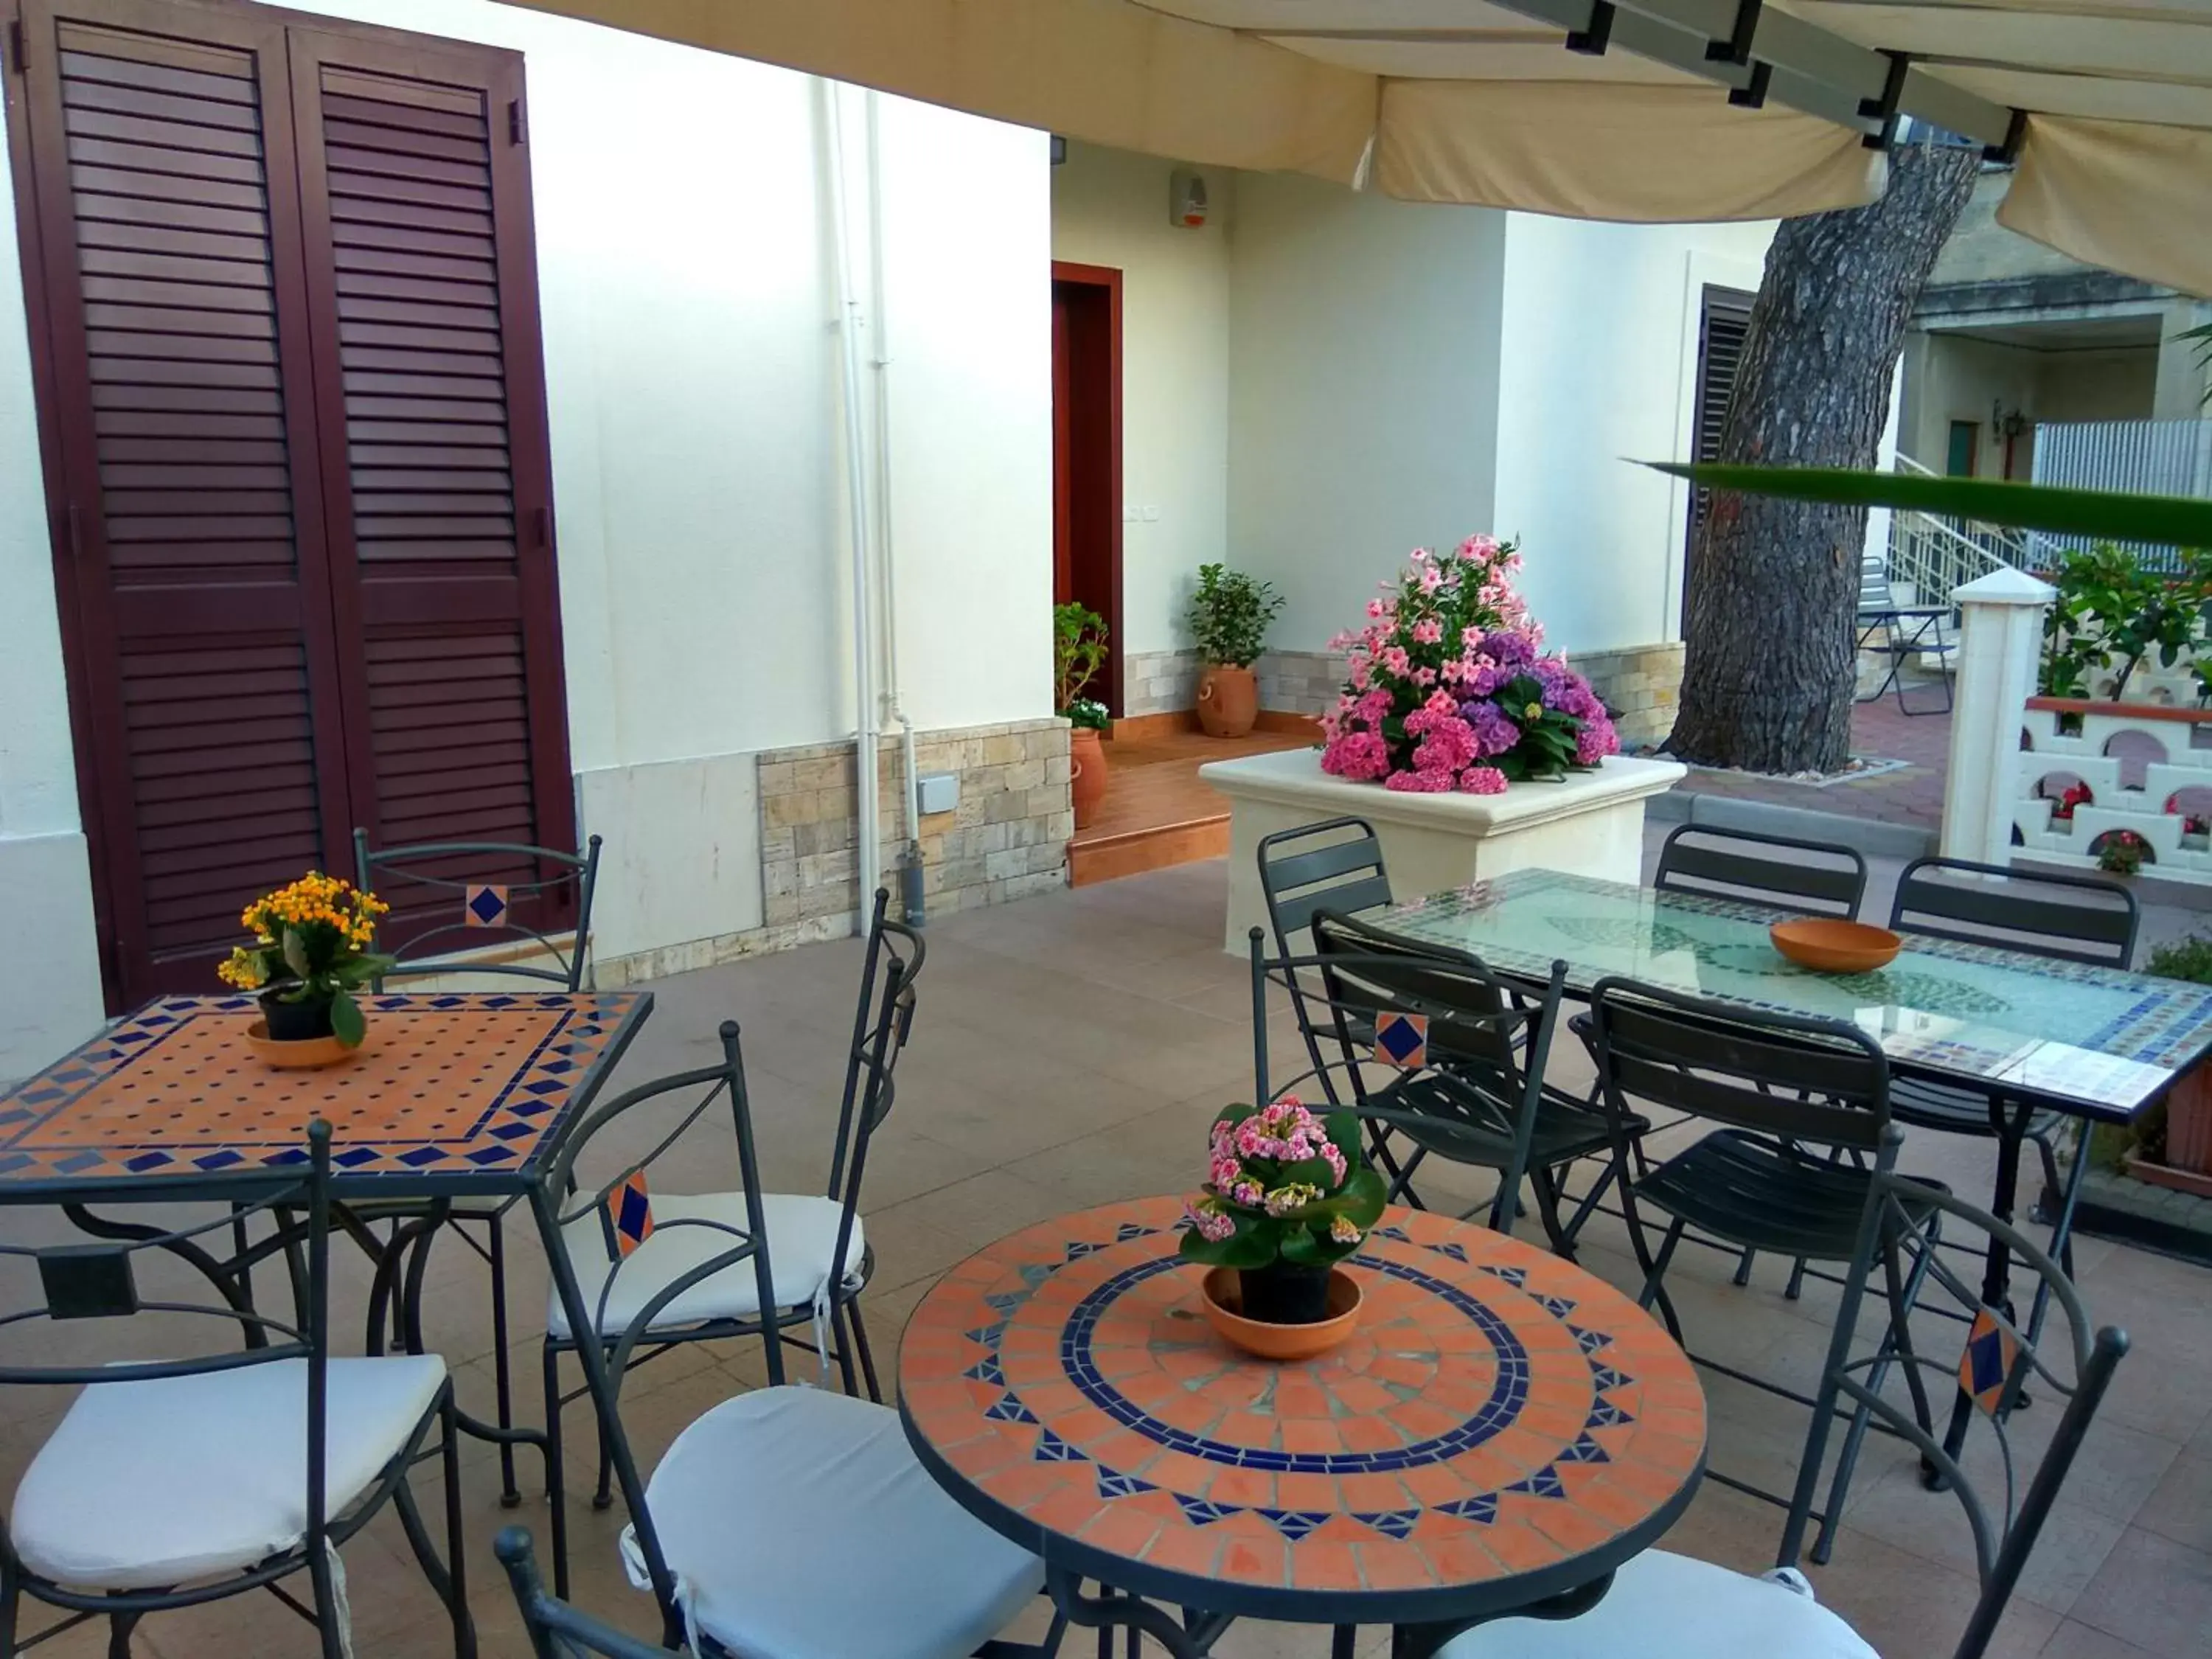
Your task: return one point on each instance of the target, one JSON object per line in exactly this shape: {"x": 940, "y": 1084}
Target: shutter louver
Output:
{"x": 178, "y": 320}
{"x": 419, "y": 279}
{"x": 1724, "y": 320}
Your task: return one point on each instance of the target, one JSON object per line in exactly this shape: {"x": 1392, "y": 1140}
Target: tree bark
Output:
{"x": 1769, "y": 666}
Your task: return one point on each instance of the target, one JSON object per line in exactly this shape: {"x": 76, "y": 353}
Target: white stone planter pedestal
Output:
{"x": 1591, "y": 823}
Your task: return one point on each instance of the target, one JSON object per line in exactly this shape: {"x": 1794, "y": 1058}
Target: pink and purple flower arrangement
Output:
{"x": 1450, "y": 688}
{"x": 1284, "y": 1184}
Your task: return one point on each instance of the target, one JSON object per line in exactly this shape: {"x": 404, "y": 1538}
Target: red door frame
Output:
{"x": 1087, "y": 461}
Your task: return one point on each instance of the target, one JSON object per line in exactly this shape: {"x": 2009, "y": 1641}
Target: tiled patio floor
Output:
{"x": 1069, "y": 1050}
{"x": 1911, "y": 795}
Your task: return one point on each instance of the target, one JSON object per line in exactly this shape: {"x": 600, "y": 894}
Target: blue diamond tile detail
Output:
{"x": 1603, "y": 1377}
{"x": 353, "y": 1156}
{"x": 988, "y": 1335}
{"x": 1075, "y": 1252}
{"x": 1545, "y": 1483}
{"x": 13, "y": 1162}
{"x": 1006, "y": 1301}
{"x": 1482, "y": 1507}
{"x": 1396, "y": 1232}
{"x": 1295, "y": 1524}
{"x": 1010, "y": 1410}
{"x": 221, "y": 1160}
{"x": 75, "y": 1074}
{"x": 1051, "y": 1449}
{"x": 421, "y": 1156}
{"x": 987, "y": 1371}
{"x": 501, "y": 1002}
{"x": 1392, "y": 1524}
{"x": 486, "y": 904}
{"x": 485, "y": 1156}
{"x": 557, "y": 1067}
{"x": 1456, "y": 1252}
{"x": 286, "y": 1158}
{"x": 1585, "y": 1450}
{"x": 1129, "y": 1229}
{"x": 1034, "y": 1273}
{"x": 1517, "y": 1277}
{"x": 146, "y": 1161}
{"x": 1587, "y": 1341}
{"x": 1201, "y": 1513}
{"x": 1604, "y": 1414}
{"x": 76, "y": 1161}
{"x": 448, "y": 1001}
{"x": 546, "y": 1085}
{"x": 39, "y": 1097}
{"x": 512, "y": 1131}
{"x": 1558, "y": 1306}
{"x": 1112, "y": 1483}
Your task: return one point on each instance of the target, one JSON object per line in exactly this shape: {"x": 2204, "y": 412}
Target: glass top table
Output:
{"x": 2094, "y": 1041}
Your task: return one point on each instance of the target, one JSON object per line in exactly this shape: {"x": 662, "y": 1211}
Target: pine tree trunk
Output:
{"x": 1769, "y": 666}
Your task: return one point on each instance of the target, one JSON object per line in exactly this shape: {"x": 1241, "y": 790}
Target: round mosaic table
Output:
{"x": 1503, "y": 1430}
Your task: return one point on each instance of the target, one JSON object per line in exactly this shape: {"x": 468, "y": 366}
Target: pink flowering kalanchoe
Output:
{"x": 1283, "y": 1184}
{"x": 1449, "y": 689}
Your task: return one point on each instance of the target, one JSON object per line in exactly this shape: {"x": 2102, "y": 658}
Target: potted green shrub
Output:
{"x": 2172, "y": 1143}
{"x": 1079, "y": 649}
{"x": 1228, "y": 618}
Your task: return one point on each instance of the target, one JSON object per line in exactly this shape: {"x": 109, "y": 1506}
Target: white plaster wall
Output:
{"x": 694, "y": 398}
{"x": 1110, "y": 208}
{"x": 1597, "y": 369}
{"x": 1364, "y": 344}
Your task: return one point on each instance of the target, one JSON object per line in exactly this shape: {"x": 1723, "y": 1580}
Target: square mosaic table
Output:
{"x": 1503, "y": 1427}
{"x": 2092, "y": 1042}
{"x": 452, "y": 1093}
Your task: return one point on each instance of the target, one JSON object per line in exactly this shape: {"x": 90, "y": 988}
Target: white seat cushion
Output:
{"x": 1664, "y": 1606}
{"x": 802, "y": 1237}
{"x": 160, "y": 1482}
{"x": 801, "y": 1526}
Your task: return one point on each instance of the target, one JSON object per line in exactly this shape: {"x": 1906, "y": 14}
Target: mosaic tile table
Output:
{"x": 1503, "y": 1430}
{"x": 2091, "y": 1041}
{"x": 452, "y": 1094}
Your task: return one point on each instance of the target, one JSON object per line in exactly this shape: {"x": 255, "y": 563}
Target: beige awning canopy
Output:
{"x": 1645, "y": 110}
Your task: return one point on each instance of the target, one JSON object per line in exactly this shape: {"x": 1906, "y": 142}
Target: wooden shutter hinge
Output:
{"x": 518, "y": 131}
{"x": 541, "y": 525}
{"x": 15, "y": 44}
{"x": 73, "y": 530}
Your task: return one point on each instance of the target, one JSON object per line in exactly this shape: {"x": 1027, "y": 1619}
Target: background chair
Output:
{"x": 1799, "y": 1105}
{"x": 1664, "y": 1606}
{"x": 173, "y": 1483}
{"x": 1819, "y": 877}
{"x": 689, "y": 1278}
{"x": 1905, "y": 631}
{"x": 453, "y": 899}
{"x": 2062, "y": 918}
{"x": 1425, "y": 1042}
{"x": 1334, "y": 864}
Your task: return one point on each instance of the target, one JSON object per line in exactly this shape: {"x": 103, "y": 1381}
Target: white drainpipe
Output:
{"x": 910, "y": 893}
{"x": 856, "y": 474}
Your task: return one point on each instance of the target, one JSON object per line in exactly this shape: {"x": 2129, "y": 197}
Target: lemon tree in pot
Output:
{"x": 1228, "y": 618}
{"x": 1079, "y": 650}
{"x": 1288, "y": 1195}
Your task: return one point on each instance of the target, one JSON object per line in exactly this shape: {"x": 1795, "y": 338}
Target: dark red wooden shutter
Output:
{"x": 422, "y": 294}
{"x": 190, "y": 519}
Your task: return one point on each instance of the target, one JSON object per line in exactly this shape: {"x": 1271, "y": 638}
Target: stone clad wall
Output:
{"x": 1641, "y": 685}
{"x": 1158, "y": 682}
{"x": 1007, "y": 839}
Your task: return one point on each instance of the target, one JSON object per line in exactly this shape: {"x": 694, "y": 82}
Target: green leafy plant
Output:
{"x": 1078, "y": 651}
{"x": 2111, "y": 608}
{"x": 1228, "y": 616}
{"x": 2189, "y": 959}
{"x": 1284, "y": 1184}
{"x": 311, "y": 945}
{"x": 2122, "y": 853}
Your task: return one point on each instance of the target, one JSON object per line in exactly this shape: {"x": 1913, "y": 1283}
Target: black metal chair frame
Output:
{"x": 1476, "y": 1097}
{"x": 557, "y": 1631}
{"x": 581, "y": 870}
{"x": 1743, "y": 871}
{"x": 882, "y": 1020}
{"x": 99, "y": 1280}
{"x": 1908, "y": 630}
{"x": 1779, "y": 1087}
{"x": 2006, "y": 1535}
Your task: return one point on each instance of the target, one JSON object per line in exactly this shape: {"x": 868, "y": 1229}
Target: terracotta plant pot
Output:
{"x": 1221, "y": 1299}
{"x": 1228, "y": 701}
{"x": 1087, "y": 774}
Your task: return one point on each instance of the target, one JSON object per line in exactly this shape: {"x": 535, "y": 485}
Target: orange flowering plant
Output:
{"x": 312, "y": 946}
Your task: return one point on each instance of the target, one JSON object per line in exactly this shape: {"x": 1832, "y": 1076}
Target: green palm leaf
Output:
{"x": 2093, "y": 515}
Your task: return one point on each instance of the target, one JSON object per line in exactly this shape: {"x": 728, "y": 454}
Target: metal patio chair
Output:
{"x": 1335, "y": 865}
{"x": 837, "y": 1489}
{"x": 2062, "y": 918}
{"x": 1664, "y": 1606}
{"x": 174, "y": 1483}
{"x": 687, "y": 1275}
{"x": 1799, "y": 1108}
{"x": 1425, "y": 1043}
{"x": 1819, "y": 877}
{"x": 474, "y": 885}
{"x": 1906, "y": 631}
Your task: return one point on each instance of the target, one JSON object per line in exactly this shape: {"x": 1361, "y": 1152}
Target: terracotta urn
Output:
{"x": 1087, "y": 773}
{"x": 1228, "y": 700}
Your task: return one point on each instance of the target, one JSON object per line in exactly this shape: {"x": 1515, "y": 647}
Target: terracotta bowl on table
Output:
{"x": 1222, "y": 1296}
{"x": 304, "y": 1055}
{"x": 1828, "y": 944}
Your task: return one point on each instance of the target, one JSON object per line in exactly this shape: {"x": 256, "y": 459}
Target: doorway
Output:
{"x": 1086, "y": 454}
